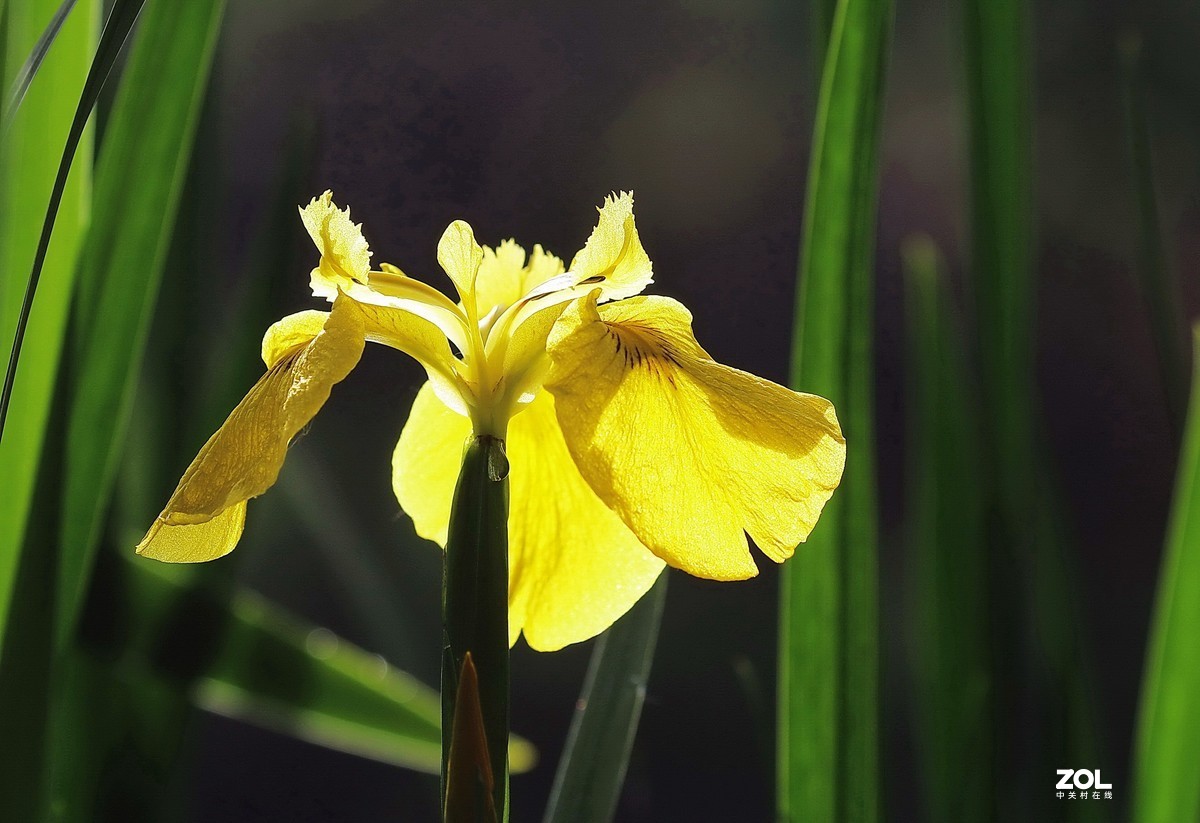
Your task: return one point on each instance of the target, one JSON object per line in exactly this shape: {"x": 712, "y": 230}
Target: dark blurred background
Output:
{"x": 520, "y": 118}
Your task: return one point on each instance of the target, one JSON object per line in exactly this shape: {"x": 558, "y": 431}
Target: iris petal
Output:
{"x": 243, "y": 458}
{"x": 505, "y": 276}
{"x": 613, "y": 256}
{"x": 460, "y": 257}
{"x": 691, "y": 454}
{"x": 574, "y": 567}
{"x": 345, "y": 256}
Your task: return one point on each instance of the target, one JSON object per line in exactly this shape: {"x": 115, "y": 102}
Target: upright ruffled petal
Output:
{"x": 574, "y": 567}
{"x": 345, "y": 256}
{"x": 613, "y": 258}
{"x": 460, "y": 257}
{"x": 203, "y": 518}
{"x": 691, "y": 454}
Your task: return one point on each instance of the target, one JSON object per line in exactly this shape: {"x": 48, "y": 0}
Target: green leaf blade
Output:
{"x": 29, "y": 158}
{"x": 947, "y": 550}
{"x": 1167, "y": 748}
{"x": 311, "y": 685}
{"x": 587, "y": 785}
{"x": 25, "y": 74}
{"x": 828, "y": 715}
{"x": 1160, "y": 289}
{"x": 151, "y": 129}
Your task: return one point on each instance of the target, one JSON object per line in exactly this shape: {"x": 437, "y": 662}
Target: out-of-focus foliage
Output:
{"x": 947, "y": 563}
{"x": 1167, "y": 786}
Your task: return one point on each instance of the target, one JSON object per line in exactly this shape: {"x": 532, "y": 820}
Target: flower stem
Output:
{"x": 475, "y": 626}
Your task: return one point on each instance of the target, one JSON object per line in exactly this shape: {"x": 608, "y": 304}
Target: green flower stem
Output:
{"x": 475, "y": 611}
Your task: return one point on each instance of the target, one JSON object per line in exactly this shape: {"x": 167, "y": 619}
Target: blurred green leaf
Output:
{"x": 24, "y": 77}
{"x": 1029, "y": 538}
{"x": 996, "y": 58}
{"x": 247, "y": 659}
{"x": 1167, "y": 750}
{"x": 151, "y": 129}
{"x": 310, "y": 684}
{"x": 947, "y": 549}
{"x": 30, "y": 155}
{"x": 120, "y": 21}
{"x": 588, "y": 782}
{"x": 1159, "y": 288}
{"x": 43, "y": 683}
{"x": 828, "y": 653}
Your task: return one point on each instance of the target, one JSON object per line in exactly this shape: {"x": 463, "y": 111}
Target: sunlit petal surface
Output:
{"x": 345, "y": 256}
{"x": 243, "y": 458}
{"x": 505, "y": 276}
{"x": 613, "y": 255}
{"x": 574, "y": 567}
{"x": 690, "y": 453}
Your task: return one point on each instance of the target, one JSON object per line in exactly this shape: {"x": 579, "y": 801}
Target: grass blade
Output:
{"x": 310, "y": 684}
{"x": 29, "y": 69}
{"x": 116, "y": 30}
{"x": 1166, "y": 781}
{"x": 949, "y": 609}
{"x": 151, "y": 129}
{"x": 828, "y": 661}
{"x": 153, "y": 114}
{"x": 1159, "y": 289}
{"x": 996, "y": 53}
{"x": 588, "y": 783}
{"x": 1040, "y": 628}
{"x": 29, "y": 156}
{"x": 245, "y": 658}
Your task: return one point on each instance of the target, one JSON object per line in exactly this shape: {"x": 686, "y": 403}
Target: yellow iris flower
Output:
{"x": 629, "y": 445}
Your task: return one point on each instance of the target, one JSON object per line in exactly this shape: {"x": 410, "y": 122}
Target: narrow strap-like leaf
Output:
{"x": 151, "y": 128}
{"x": 1159, "y": 288}
{"x": 29, "y": 68}
{"x": 1032, "y": 576}
{"x": 475, "y": 609}
{"x": 828, "y": 634}
{"x": 588, "y": 783}
{"x": 30, "y": 155}
{"x": 1167, "y": 749}
{"x": 949, "y": 608}
{"x": 116, "y": 30}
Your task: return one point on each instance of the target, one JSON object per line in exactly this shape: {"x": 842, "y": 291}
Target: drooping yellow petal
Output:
{"x": 460, "y": 257}
{"x": 197, "y": 542}
{"x": 574, "y": 567}
{"x": 345, "y": 256}
{"x": 242, "y": 460}
{"x": 505, "y": 276}
{"x": 613, "y": 257}
{"x": 426, "y": 461}
{"x": 692, "y": 454}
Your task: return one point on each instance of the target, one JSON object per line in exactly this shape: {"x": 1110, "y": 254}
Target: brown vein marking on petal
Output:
{"x": 643, "y": 347}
